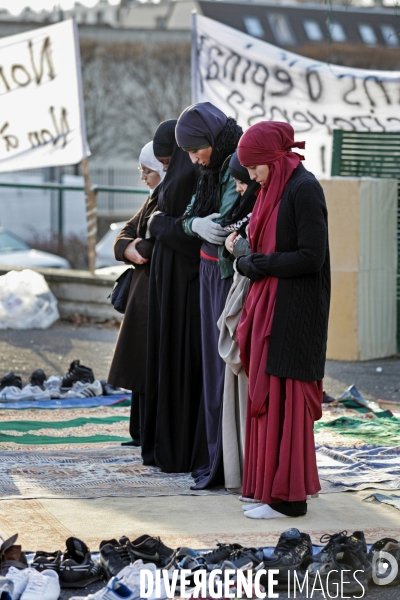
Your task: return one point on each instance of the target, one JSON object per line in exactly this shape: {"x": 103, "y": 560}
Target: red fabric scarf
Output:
{"x": 265, "y": 143}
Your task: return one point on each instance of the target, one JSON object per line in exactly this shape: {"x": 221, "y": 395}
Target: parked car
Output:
{"x": 17, "y": 253}
{"x": 104, "y": 248}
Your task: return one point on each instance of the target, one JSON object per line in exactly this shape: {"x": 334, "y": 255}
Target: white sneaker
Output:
{"x": 130, "y": 576}
{"x": 29, "y": 392}
{"x": 42, "y": 586}
{"x": 6, "y": 588}
{"x": 84, "y": 390}
{"x": 114, "y": 590}
{"x": 20, "y": 579}
{"x": 52, "y": 385}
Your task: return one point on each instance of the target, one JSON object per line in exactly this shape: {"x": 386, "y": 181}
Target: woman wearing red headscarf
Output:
{"x": 283, "y": 329}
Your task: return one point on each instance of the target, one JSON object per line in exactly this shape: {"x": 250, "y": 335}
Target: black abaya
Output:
{"x": 174, "y": 376}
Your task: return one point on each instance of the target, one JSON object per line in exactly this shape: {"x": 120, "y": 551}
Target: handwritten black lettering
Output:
{"x": 20, "y": 69}
{"x": 45, "y": 55}
{"x": 283, "y": 77}
{"x": 257, "y": 116}
{"x": 314, "y": 85}
{"x": 11, "y": 141}
{"x": 264, "y": 77}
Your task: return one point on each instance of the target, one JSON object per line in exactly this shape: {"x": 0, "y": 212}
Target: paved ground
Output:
{"x": 54, "y": 349}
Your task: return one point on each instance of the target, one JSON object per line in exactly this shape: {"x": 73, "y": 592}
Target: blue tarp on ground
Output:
{"x": 68, "y": 402}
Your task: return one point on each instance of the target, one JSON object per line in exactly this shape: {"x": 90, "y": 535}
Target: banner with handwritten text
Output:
{"x": 252, "y": 80}
{"x": 41, "y": 107}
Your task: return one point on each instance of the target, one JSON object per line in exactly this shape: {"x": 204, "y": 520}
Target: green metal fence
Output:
{"x": 370, "y": 154}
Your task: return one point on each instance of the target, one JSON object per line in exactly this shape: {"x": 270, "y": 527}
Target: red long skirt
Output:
{"x": 280, "y": 461}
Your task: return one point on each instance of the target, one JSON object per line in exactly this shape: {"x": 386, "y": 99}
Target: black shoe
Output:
{"x": 222, "y": 552}
{"x": 38, "y": 378}
{"x": 356, "y": 541}
{"x": 78, "y": 569}
{"x": 342, "y": 570}
{"x": 378, "y": 546}
{"x": 11, "y": 379}
{"x": 77, "y": 372}
{"x": 113, "y": 557}
{"x": 246, "y": 558}
{"x": 291, "y": 550}
{"x": 134, "y": 443}
{"x": 149, "y": 549}
{"x": 47, "y": 560}
{"x": 110, "y": 390}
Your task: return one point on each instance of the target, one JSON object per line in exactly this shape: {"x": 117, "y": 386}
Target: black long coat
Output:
{"x": 128, "y": 367}
{"x": 174, "y": 376}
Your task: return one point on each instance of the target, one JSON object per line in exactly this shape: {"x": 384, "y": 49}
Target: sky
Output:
{"x": 15, "y": 6}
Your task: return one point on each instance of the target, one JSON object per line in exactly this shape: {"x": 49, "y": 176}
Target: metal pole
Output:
{"x": 91, "y": 215}
{"x": 60, "y": 211}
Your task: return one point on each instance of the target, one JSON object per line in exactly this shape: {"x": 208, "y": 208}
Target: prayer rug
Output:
{"x": 355, "y": 469}
{"x": 87, "y": 473}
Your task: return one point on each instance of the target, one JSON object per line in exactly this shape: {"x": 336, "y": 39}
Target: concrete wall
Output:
{"x": 79, "y": 292}
{"x": 363, "y": 244}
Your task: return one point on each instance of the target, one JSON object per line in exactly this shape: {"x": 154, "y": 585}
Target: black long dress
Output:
{"x": 174, "y": 376}
{"x": 128, "y": 366}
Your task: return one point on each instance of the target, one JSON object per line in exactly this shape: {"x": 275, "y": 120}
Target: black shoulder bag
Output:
{"x": 120, "y": 291}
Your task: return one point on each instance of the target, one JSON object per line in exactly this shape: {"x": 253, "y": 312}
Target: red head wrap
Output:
{"x": 267, "y": 142}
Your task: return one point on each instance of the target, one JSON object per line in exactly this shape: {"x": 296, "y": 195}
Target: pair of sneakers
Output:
{"x": 75, "y": 567}
{"x": 126, "y": 586}
{"x": 29, "y": 584}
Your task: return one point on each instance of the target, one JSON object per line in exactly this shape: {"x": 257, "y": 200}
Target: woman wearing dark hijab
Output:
{"x": 128, "y": 367}
{"x": 283, "y": 328}
{"x": 236, "y": 382}
{"x": 173, "y": 388}
{"x": 210, "y": 138}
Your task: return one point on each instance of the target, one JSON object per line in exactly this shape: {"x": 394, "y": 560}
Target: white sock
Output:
{"x": 244, "y": 499}
{"x": 251, "y": 506}
{"x": 264, "y": 511}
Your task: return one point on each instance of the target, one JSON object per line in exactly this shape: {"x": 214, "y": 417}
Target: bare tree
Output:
{"x": 129, "y": 89}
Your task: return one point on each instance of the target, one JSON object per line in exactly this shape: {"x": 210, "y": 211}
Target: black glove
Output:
{"x": 245, "y": 265}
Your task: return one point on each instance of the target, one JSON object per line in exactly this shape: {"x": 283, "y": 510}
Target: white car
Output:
{"x": 105, "y": 247}
{"x": 15, "y": 252}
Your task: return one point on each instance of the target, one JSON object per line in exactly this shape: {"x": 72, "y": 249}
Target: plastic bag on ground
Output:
{"x": 26, "y": 301}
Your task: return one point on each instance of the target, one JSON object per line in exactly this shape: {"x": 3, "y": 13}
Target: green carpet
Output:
{"x": 49, "y": 439}
{"x": 382, "y": 431}
{"x": 34, "y": 425}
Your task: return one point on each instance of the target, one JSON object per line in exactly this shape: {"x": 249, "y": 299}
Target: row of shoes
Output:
{"x": 79, "y": 382}
{"x": 73, "y": 568}
{"x": 344, "y": 562}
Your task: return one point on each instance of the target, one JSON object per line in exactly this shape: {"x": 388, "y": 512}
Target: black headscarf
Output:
{"x": 200, "y": 126}
{"x": 237, "y": 170}
{"x": 240, "y": 213}
{"x": 176, "y": 190}
{"x": 164, "y": 139}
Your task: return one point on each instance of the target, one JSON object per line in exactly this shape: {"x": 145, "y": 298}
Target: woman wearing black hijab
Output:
{"x": 173, "y": 388}
{"x": 210, "y": 137}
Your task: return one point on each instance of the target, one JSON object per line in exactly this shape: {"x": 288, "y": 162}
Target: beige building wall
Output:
{"x": 363, "y": 244}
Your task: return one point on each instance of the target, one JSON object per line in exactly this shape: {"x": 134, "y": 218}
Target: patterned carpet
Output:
{"x": 86, "y": 473}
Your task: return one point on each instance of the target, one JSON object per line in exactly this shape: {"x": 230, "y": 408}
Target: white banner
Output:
{"x": 253, "y": 81}
{"x": 41, "y": 106}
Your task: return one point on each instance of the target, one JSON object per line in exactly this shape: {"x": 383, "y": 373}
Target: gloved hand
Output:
{"x": 208, "y": 230}
{"x": 246, "y": 266}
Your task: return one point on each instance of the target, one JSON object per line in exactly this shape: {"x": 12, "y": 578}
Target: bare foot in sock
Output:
{"x": 251, "y": 506}
{"x": 264, "y": 511}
